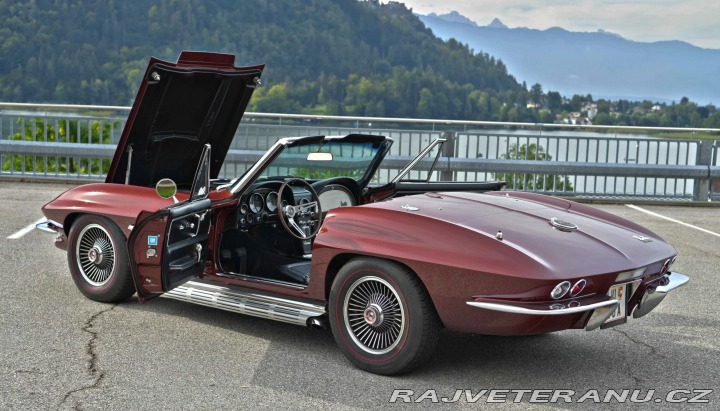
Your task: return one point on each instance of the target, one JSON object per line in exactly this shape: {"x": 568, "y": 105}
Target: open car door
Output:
{"x": 169, "y": 246}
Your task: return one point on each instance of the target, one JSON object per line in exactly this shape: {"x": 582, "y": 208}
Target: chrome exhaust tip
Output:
{"x": 316, "y": 322}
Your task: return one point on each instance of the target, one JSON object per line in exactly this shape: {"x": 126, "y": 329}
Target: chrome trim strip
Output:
{"x": 417, "y": 159}
{"x": 258, "y": 167}
{"x": 514, "y": 309}
{"x": 129, "y": 164}
{"x": 49, "y": 226}
{"x": 247, "y": 302}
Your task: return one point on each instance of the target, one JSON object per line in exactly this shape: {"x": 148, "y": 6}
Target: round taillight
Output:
{"x": 577, "y": 288}
{"x": 560, "y": 290}
{"x": 666, "y": 266}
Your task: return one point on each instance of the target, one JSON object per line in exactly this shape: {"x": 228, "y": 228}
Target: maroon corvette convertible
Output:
{"x": 306, "y": 235}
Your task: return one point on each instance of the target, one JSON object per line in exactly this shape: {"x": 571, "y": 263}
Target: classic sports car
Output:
{"x": 307, "y": 236}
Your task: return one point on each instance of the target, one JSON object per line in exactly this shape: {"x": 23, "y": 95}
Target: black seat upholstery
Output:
{"x": 296, "y": 272}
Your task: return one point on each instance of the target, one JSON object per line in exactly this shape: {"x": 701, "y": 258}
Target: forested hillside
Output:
{"x": 323, "y": 56}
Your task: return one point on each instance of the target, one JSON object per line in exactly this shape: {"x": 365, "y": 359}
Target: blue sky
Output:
{"x": 694, "y": 21}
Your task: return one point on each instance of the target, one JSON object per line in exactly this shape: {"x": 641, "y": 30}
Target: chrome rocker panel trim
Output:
{"x": 247, "y": 302}
{"x": 657, "y": 292}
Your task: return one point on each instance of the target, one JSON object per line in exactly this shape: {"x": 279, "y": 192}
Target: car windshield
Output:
{"x": 319, "y": 161}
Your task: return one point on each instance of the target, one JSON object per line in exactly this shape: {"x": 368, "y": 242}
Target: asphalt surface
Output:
{"x": 59, "y": 350}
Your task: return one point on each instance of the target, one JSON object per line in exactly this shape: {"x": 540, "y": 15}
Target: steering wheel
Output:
{"x": 301, "y": 221}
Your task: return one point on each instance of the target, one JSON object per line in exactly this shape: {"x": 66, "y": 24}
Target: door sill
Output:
{"x": 248, "y": 302}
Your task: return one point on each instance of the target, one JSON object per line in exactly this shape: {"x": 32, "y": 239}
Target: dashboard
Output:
{"x": 334, "y": 196}
{"x": 260, "y": 204}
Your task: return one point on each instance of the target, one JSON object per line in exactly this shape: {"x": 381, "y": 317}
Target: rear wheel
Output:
{"x": 382, "y": 317}
{"x": 97, "y": 255}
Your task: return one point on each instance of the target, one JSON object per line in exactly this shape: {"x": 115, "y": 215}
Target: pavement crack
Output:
{"x": 653, "y": 351}
{"x": 92, "y": 369}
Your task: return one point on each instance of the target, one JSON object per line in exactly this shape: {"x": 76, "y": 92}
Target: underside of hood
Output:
{"x": 179, "y": 108}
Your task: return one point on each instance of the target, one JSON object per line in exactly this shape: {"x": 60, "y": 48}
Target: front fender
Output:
{"x": 121, "y": 203}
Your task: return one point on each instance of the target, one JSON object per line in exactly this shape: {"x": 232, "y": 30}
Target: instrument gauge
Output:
{"x": 271, "y": 201}
{"x": 256, "y": 203}
{"x": 243, "y": 209}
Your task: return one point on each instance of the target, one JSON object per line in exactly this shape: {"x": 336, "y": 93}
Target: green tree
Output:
{"x": 532, "y": 182}
{"x": 536, "y": 93}
{"x": 554, "y": 101}
{"x": 67, "y": 131}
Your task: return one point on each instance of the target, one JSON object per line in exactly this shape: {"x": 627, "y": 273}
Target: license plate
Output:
{"x": 618, "y": 292}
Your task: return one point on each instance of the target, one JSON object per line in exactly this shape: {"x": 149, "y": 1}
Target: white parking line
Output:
{"x": 634, "y": 207}
{"x": 25, "y": 230}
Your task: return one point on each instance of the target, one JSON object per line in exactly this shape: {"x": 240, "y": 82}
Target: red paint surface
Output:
{"x": 449, "y": 242}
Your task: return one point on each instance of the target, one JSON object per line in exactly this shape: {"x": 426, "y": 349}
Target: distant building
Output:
{"x": 577, "y": 119}
{"x": 591, "y": 110}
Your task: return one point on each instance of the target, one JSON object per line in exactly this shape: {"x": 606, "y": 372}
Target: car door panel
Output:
{"x": 169, "y": 246}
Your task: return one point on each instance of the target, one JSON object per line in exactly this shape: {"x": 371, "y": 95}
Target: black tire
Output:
{"x": 382, "y": 317}
{"x": 98, "y": 260}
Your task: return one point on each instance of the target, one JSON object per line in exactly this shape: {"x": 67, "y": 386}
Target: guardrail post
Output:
{"x": 701, "y": 189}
{"x": 714, "y": 167}
{"x": 449, "y": 152}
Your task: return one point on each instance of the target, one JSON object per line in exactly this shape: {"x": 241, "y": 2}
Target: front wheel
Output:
{"x": 382, "y": 317}
{"x": 98, "y": 260}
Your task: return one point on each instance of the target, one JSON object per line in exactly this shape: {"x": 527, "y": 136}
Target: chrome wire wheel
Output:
{"x": 374, "y": 315}
{"x": 95, "y": 255}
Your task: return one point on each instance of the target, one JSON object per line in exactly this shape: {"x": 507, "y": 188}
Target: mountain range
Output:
{"x": 600, "y": 63}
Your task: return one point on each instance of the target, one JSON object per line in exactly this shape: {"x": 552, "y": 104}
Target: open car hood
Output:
{"x": 179, "y": 108}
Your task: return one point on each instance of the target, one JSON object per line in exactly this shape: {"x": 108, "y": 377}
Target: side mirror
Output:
{"x": 166, "y": 188}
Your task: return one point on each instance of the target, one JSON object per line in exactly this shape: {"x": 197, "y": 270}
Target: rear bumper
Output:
{"x": 596, "y": 308}
{"x": 657, "y": 291}
{"x": 599, "y": 306}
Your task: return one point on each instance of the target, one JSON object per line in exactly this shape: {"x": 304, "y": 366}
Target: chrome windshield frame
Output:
{"x": 249, "y": 177}
{"x": 254, "y": 172}
{"x": 419, "y": 157}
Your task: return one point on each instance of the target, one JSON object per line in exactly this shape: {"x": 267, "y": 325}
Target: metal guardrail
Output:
{"x": 68, "y": 141}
